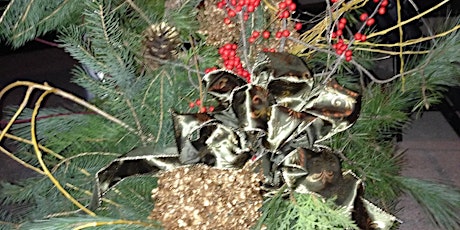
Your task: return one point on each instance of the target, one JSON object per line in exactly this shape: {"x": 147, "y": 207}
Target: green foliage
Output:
{"x": 441, "y": 202}
{"x": 24, "y": 20}
{"x": 303, "y": 211}
{"x": 84, "y": 222}
{"x": 131, "y": 199}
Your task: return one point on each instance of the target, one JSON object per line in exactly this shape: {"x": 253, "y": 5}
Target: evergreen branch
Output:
{"x": 200, "y": 84}
{"x": 43, "y": 148}
{"x": 115, "y": 222}
{"x": 136, "y": 120}
{"x": 440, "y": 202}
{"x": 69, "y": 96}
{"x": 80, "y": 155}
{"x": 160, "y": 123}
{"x": 418, "y": 16}
{"x": 6, "y": 10}
{"x": 24, "y": 14}
{"x": 137, "y": 9}
{"x": 90, "y": 193}
{"x": 40, "y": 157}
{"x": 20, "y": 161}
{"x": 34, "y": 26}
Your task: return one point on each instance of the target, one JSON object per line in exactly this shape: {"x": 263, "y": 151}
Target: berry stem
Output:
{"x": 244, "y": 42}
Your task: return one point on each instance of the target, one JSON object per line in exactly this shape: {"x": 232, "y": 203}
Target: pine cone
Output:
{"x": 159, "y": 44}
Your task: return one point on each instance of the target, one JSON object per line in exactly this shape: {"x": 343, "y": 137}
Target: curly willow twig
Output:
{"x": 37, "y": 148}
{"x": 40, "y": 157}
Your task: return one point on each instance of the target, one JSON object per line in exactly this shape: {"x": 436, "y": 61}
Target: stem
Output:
{"x": 40, "y": 158}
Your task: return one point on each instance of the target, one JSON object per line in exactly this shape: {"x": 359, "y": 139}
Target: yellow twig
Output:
{"x": 25, "y": 164}
{"x": 40, "y": 158}
{"x": 46, "y": 87}
{"x": 414, "y": 41}
{"x": 6, "y": 10}
{"x": 43, "y": 148}
{"x": 102, "y": 223}
{"x": 392, "y": 52}
{"x": 401, "y": 39}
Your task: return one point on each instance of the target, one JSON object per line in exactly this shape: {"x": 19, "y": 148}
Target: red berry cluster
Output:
{"x": 232, "y": 62}
{"x": 342, "y": 47}
{"x": 383, "y": 6}
{"x": 234, "y": 7}
{"x": 286, "y": 8}
{"x": 208, "y": 70}
{"x": 202, "y": 109}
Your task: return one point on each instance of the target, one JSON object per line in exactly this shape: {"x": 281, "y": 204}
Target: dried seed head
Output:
{"x": 208, "y": 198}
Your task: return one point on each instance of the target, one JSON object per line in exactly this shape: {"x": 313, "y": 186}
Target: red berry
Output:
{"x": 358, "y": 36}
{"x": 203, "y": 110}
{"x": 255, "y": 34}
{"x": 339, "y": 52}
{"x": 250, "y": 8}
{"x": 343, "y": 21}
{"x": 278, "y": 34}
{"x": 334, "y": 1}
{"x": 334, "y": 46}
{"x": 231, "y": 13}
{"x": 298, "y": 26}
{"x": 191, "y": 104}
{"x": 339, "y": 33}
{"x": 266, "y": 34}
{"x": 348, "y": 58}
{"x": 238, "y": 8}
{"x": 363, "y": 38}
{"x": 252, "y": 39}
{"x": 234, "y": 46}
{"x": 370, "y": 22}
{"x": 334, "y": 34}
{"x": 376, "y": 1}
{"x": 286, "y": 33}
{"x": 198, "y": 102}
{"x": 341, "y": 26}
{"x": 348, "y": 53}
{"x": 227, "y": 21}
{"x": 289, "y": 2}
{"x": 282, "y": 5}
{"x": 245, "y": 16}
{"x": 211, "y": 108}
{"x": 384, "y": 3}
{"x": 382, "y": 10}
{"x": 221, "y": 4}
{"x": 363, "y": 17}
{"x": 285, "y": 14}
{"x": 292, "y": 6}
